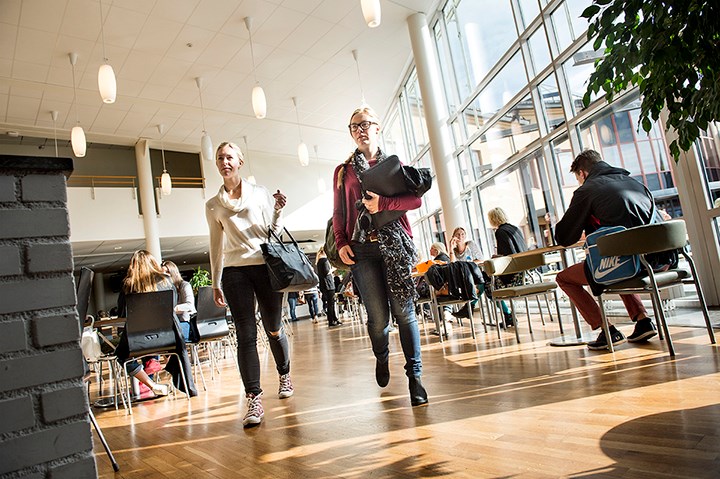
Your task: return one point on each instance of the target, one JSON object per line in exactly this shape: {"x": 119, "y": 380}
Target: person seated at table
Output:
{"x": 508, "y": 240}
{"x": 439, "y": 252}
{"x": 464, "y": 250}
{"x": 185, "y": 306}
{"x": 145, "y": 275}
{"x": 607, "y": 196}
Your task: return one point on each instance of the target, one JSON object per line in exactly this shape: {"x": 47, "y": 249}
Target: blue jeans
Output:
{"x": 185, "y": 328}
{"x": 370, "y": 279}
{"x": 312, "y": 302}
{"x": 241, "y": 285}
{"x": 292, "y": 304}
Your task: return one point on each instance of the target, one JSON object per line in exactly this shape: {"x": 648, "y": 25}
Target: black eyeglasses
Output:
{"x": 363, "y": 125}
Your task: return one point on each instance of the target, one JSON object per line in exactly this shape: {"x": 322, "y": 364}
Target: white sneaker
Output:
{"x": 160, "y": 389}
{"x": 255, "y": 412}
{"x": 286, "y": 387}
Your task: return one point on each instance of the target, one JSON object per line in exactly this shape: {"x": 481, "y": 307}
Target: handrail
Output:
{"x": 119, "y": 181}
{"x": 184, "y": 181}
{"x": 104, "y": 180}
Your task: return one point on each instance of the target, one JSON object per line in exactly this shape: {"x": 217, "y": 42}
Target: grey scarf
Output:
{"x": 397, "y": 248}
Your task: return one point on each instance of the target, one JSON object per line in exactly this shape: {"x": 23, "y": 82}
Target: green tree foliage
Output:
{"x": 670, "y": 50}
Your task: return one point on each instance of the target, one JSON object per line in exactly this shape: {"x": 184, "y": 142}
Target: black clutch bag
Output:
{"x": 390, "y": 178}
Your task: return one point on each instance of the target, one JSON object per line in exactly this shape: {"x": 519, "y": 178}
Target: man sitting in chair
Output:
{"x": 607, "y": 196}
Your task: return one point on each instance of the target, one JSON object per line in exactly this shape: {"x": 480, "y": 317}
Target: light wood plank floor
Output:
{"x": 497, "y": 409}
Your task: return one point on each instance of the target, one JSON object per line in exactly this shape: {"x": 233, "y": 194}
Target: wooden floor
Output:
{"x": 497, "y": 410}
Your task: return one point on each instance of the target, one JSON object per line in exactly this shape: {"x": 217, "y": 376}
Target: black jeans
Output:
{"x": 329, "y": 301}
{"x": 241, "y": 285}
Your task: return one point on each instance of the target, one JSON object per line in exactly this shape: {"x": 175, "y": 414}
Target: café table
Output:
{"x": 568, "y": 339}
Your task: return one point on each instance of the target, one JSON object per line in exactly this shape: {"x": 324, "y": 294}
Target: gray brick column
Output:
{"x": 44, "y": 426}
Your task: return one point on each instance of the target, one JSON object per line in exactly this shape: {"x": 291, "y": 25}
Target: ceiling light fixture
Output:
{"x": 165, "y": 180}
{"x": 251, "y": 178}
{"x": 302, "y": 150}
{"x": 106, "y": 76}
{"x": 77, "y": 135}
{"x": 54, "y": 116}
{"x": 363, "y": 103}
{"x": 371, "y": 12}
{"x": 206, "y": 146}
{"x": 259, "y": 102}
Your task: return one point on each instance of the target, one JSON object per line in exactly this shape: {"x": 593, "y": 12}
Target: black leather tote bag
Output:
{"x": 287, "y": 265}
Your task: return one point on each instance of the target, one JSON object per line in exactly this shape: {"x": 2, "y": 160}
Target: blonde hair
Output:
{"x": 143, "y": 273}
{"x": 497, "y": 217}
{"x": 174, "y": 273}
{"x": 320, "y": 254}
{"x": 233, "y": 146}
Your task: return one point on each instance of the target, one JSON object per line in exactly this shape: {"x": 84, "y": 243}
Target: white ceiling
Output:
{"x": 303, "y": 49}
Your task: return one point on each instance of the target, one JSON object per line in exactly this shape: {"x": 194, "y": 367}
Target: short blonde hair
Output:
{"x": 497, "y": 217}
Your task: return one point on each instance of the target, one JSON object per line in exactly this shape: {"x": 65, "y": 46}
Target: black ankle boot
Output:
{"x": 382, "y": 373}
{"x": 418, "y": 395}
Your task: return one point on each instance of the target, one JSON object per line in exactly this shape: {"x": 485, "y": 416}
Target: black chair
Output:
{"x": 151, "y": 329}
{"x": 207, "y": 326}
{"x": 84, "y": 288}
{"x": 643, "y": 241}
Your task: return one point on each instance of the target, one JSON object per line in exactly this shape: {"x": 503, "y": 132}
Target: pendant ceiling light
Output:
{"x": 371, "y": 12}
{"x": 54, "y": 116}
{"x": 303, "y": 154}
{"x": 165, "y": 180}
{"x": 206, "y": 146}
{"x": 355, "y": 55}
{"x": 251, "y": 178}
{"x": 106, "y": 76}
{"x": 259, "y": 102}
{"x": 77, "y": 135}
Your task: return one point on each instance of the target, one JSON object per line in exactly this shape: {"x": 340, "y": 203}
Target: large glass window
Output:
{"x": 550, "y": 102}
{"x": 577, "y": 74}
{"x": 486, "y": 30}
{"x": 529, "y": 9}
{"x": 523, "y": 192}
{"x": 539, "y": 51}
{"x": 501, "y": 89}
{"x": 567, "y": 22}
{"x": 614, "y": 134}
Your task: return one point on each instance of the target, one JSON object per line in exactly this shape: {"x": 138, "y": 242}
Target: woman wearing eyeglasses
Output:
{"x": 380, "y": 259}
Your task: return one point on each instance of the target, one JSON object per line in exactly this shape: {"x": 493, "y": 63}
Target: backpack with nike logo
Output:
{"x": 609, "y": 269}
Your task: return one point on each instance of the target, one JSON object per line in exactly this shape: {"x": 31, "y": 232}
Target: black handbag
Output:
{"x": 288, "y": 267}
{"x": 391, "y": 178}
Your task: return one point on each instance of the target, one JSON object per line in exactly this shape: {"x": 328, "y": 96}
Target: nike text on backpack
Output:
{"x": 609, "y": 269}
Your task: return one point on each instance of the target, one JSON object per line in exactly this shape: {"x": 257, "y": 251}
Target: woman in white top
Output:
{"x": 185, "y": 306}
{"x": 238, "y": 218}
{"x": 461, "y": 250}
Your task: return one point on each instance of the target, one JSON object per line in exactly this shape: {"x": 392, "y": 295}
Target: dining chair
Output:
{"x": 643, "y": 241}
{"x": 151, "y": 329}
{"x": 505, "y": 265}
{"x": 210, "y": 327}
